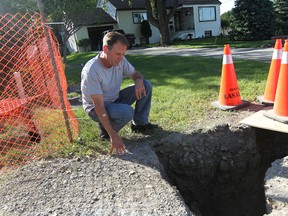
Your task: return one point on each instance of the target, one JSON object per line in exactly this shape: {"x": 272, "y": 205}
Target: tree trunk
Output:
{"x": 165, "y": 35}
{"x": 161, "y": 19}
{"x": 163, "y": 23}
{"x": 65, "y": 40}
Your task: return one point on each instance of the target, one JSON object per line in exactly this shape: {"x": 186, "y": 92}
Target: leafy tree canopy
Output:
{"x": 281, "y": 12}
{"x": 253, "y": 20}
{"x": 226, "y": 19}
{"x": 18, "y": 6}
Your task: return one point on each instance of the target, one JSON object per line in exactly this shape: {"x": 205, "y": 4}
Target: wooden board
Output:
{"x": 258, "y": 120}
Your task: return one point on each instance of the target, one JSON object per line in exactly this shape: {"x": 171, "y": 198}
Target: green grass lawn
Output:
{"x": 184, "y": 88}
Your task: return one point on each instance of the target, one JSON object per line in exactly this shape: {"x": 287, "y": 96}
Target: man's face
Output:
{"x": 115, "y": 55}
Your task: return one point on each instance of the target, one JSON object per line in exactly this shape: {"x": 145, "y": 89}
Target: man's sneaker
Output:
{"x": 104, "y": 137}
{"x": 143, "y": 128}
{"x": 103, "y": 133}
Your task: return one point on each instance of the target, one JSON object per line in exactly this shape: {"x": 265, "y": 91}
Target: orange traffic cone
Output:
{"x": 229, "y": 96}
{"x": 280, "y": 109}
{"x": 272, "y": 81}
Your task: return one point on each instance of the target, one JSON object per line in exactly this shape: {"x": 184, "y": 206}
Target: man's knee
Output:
{"x": 130, "y": 113}
{"x": 148, "y": 85}
{"x": 126, "y": 113}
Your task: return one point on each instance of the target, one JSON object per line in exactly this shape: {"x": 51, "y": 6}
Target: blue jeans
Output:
{"x": 120, "y": 111}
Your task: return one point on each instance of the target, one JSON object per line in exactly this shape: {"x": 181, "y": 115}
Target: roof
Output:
{"x": 98, "y": 16}
{"x": 192, "y": 2}
{"x": 198, "y": 2}
{"x": 140, "y": 4}
{"x": 124, "y": 5}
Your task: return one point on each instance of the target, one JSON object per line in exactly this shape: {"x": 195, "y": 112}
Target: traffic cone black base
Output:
{"x": 226, "y": 108}
{"x": 265, "y": 102}
{"x": 270, "y": 114}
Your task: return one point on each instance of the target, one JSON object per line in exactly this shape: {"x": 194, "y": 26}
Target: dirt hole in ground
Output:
{"x": 221, "y": 171}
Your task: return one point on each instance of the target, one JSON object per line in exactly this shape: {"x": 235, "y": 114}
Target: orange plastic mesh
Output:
{"x": 35, "y": 115}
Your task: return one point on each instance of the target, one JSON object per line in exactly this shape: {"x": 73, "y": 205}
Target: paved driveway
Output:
{"x": 259, "y": 54}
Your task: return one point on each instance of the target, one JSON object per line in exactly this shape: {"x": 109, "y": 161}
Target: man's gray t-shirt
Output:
{"x": 96, "y": 79}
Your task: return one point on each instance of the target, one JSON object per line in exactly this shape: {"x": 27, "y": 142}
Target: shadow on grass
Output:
{"x": 194, "y": 73}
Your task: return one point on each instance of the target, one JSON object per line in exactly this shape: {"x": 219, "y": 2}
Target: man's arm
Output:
{"x": 137, "y": 76}
{"x": 116, "y": 140}
{"x": 139, "y": 84}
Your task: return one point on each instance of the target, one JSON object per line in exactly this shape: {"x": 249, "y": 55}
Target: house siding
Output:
{"x": 124, "y": 19}
{"x": 201, "y": 27}
{"x": 125, "y": 22}
{"x": 71, "y": 43}
{"x": 82, "y": 34}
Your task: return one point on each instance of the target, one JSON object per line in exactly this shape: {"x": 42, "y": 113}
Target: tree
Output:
{"x": 85, "y": 43}
{"x": 73, "y": 13}
{"x": 253, "y": 20}
{"x": 281, "y": 12}
{"x": 226, "y": 20}
{"x": 18, "y": 6}
{"x": 159, "y": 17}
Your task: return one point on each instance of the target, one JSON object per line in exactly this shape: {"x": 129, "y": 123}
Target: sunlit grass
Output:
{"x": 80, "y": 58}
{"x": 16, "y": 147}
{"x": 184, "y": 87}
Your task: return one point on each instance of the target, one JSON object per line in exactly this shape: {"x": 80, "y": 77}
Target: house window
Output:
{"x": 139, "y": 17}
{"x": 207, "y": 14}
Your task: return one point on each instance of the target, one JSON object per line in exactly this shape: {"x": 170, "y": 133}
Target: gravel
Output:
{"x": 276, "y": 188}
{"x": 132, "y": 184}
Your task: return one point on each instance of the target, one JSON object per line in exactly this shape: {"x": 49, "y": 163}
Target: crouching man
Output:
{"x": 102, "y": 99}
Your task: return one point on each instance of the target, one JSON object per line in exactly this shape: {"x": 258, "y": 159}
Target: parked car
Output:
{"x": 184, "y": 35}
{"x": 130, "y": 37}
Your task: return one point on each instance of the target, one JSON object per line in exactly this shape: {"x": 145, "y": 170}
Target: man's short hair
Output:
{"x": 113, "y": 37}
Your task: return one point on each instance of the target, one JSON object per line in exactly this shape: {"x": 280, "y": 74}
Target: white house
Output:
{"x": 193, "y": 19}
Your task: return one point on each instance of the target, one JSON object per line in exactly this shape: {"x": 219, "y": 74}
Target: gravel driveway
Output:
{"x": 132, "y": 184}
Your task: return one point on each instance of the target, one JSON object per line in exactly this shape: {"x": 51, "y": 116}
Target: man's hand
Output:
{"x": 118, "y": 146}
{"x": 139, "y": 89}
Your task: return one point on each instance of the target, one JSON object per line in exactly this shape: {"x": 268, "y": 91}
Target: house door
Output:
{"x": 96, "y": 36}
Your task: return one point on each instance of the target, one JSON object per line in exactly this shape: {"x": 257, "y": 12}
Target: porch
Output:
{"x": 182, "y": 27}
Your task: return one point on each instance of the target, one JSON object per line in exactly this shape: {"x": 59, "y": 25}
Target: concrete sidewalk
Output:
{"x": 259, "y": 54}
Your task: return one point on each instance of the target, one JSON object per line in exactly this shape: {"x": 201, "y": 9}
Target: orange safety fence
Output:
{"x": 35, "y": 116}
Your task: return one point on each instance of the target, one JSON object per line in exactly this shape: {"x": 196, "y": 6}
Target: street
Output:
{"x": 258, "y": 54}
